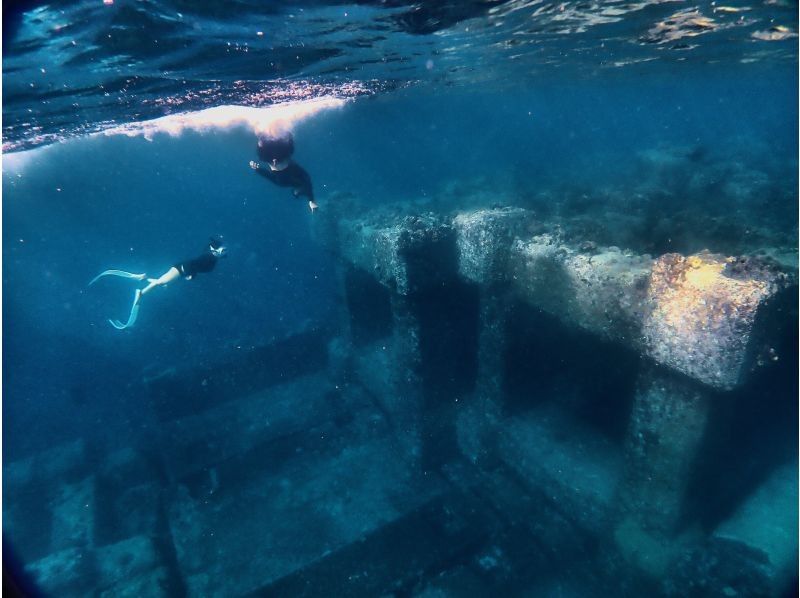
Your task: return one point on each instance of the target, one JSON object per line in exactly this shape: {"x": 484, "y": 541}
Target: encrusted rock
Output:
{"x": 484, "y": 239}
{"x": 719, "y": 568}
{"x": 603, "y": 293}
{"x": 667, "y": 422}
{"x": 73, "y": 512}
{"x": 701, "y": 314}
{"x": 125, "y": 559}
{"x": 405, "y": 254}
{"x": 67, "y": 572}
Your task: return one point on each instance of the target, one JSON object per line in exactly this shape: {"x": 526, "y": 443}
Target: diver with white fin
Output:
{"x": 188, "y": 269}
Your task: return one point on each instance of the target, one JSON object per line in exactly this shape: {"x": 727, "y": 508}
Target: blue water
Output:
{"x": 550, "y": 107}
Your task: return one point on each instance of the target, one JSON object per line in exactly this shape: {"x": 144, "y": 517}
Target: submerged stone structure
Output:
{"x": 497, "y": 408}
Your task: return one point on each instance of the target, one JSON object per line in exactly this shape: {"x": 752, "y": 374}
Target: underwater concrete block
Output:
{"x": 706, "y": 316}
{"x": 155, "y": 583}
{"x": 702, "y": 311}
{"x": 459, "y": 581}
{"x": 667, "y": 423}
{"x": 389, "y": 369}
{"x": 132, "y": 510}
{"x": 532, "y": 535}
{"x": 292, "y": 514}
{"x": 477, "y": 420}
{"x": 405, "y": 254}
{"x": 67, "y": 572}
{"x": 127, "y": 496}
{"x": 643, "y": 551}
{"x": 124, "y": 560}
{"x": 65, "y": 462}
{"x": 395, "y": 557}
{"x": 405, "y": 341}
{"x": 484, "y": 239}
{"x": 31, "y": 486}
{"x": 492, "y": 339}
{"x": 73, "y": 515}
{"x": 176, "y": 393}
{"x": 199, "y": 442}
{"x": 753, "y": 553}
{"x": 603, "y": 291}
{"x": 572, "y": 466}
{"x": 405, "y": 399}
{"x": 127, "y": 466}
{"x": 373, "y": 369}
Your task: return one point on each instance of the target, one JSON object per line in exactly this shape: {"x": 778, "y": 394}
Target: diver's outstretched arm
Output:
{"x": 120, "y": 273}
{"x": 265, "y": 172}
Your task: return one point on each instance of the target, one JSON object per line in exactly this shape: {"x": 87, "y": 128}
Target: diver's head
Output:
{"x": 216, "y": 247}
{"x": 276, "y": 150}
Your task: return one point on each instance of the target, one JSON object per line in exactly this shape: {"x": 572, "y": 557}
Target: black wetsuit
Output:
{"x": 293, "y": 176}
{"x": 202, "y": 264}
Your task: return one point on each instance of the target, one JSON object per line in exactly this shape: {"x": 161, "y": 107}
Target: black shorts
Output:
{"x": 181, "y": 268}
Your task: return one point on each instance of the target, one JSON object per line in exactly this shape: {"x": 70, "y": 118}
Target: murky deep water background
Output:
{"x": 654, "y": 126}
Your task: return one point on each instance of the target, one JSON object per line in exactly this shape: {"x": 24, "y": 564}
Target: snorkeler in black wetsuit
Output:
{"x": 199, "y": 265}
{"x": 188, "y": 269}
{"x": 281, "y": 169}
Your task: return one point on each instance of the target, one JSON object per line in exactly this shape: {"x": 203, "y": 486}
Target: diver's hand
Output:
{"x": 313, "y": 206}
{"x": 254, "y": 165}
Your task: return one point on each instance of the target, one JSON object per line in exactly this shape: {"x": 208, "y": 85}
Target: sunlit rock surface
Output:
{"x": 702, "y": 310}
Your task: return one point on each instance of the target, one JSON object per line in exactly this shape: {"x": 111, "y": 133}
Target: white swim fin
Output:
{"x": 120, "y": 273}
{"x": 132, "y": 317}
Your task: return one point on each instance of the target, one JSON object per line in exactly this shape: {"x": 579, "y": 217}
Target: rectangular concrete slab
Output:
{"x": 702, "y": 309}
{"x": 73, "y": 515}
{"x": 574, "y": 467}
{"x": 199, "y": 442}
{"x": 405, "y": 253}
{"x": 484, "y": 239}
{"x": 279, "y": 523}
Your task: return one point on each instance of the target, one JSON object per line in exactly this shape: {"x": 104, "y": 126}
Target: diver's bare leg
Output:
{"x": 165, "y": 278}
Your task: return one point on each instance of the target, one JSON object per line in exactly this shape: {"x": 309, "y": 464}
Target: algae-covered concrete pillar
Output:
{"x": 702, "y": 324}
{"x": 484, "y": 239}
{"x": 667, "y": 423}
{"x": 600, "y": 290}
{"x": 407, "y": 255}
{"x": 703, "y": 327}
{"x": 404, "y": 399}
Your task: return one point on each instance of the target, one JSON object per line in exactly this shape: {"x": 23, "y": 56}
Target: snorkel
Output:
{"x": 216, "y": 247}
{"x": 276, "y": 166}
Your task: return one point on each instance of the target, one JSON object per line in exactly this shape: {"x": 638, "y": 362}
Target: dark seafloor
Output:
{"x": 539, "y": 339}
